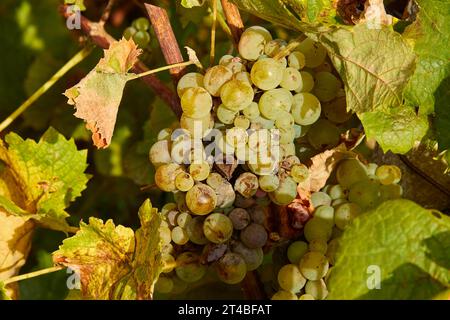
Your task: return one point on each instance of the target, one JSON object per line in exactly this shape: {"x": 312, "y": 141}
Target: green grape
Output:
{"x": 287, "y": 149}
{"x": 296, "y": 60}
{"x": 286, "y": 134}
{"x": 331, "y": 251}
{"x": 289, "y": 162}
{"x": 284, "y": 295}
{"x": 299, "y": 172}
{"x": 390, "y": 192}
{"x": 317, "y": 229}
{"x": 251, "y": 112}
{"x": 305, "y": 108}
{"x": 314, "y": 265}
{"x": 345, "y": 213}
{"x": 214, "y": 180}
{"x": 236, "y": 67}
{"x": 164, "y": 285}
{"x": 196, "y": 102}
{"x": 337, "y": 202}
{"x": 189, "y": 80}
{"x": 240, "y": 218}
{"x": 296, "y": 251}
{"x": 159, "y": 153}
{"x": 165, "y": 176}
{"x": 217, "y": 228}
{"x": 225, "y": 59}
{"x": 318, "y": 245}
{"x": 269, "y": 183}
{"x": 142, "y": 24}
{"x": 290, "y": 278}
{"x": 320, "y": 199}
{"x": 324, "y": 67}
{"x": 184, "y": 181}
{"x": 201, "y": 199}
{"x": 179, "y": 235}
{"x": 337, "y": 192}
{"x": 180, "y": 199}
{"x": 179, "y": 286}
{"x": 274, "y": 46}
{"x": 199, "y": 171}
{"x": 142, "y": 38}
{"x": 284, "y": 120}
{"x": 129, "y": 33}
{"x": 336, "y": 110}
{"x": 165, "y": 234}
{"x": 242, "y": 202}
{"x": 246, "y": 184}
{"x": 273, "y": 101}
{"x": 183, "y": 219}
{"x": 306, "y": 297}
{"x": 171, "y": 217}
{"x": 215, "y": 78}
{"x": 388, "y": 174}
{"x": 326, "y": 188}
{"x": 371, "y": 168}
{"x": 195, "y": 232}
{"x": 252, "y": 42}
{"x": 243, "y": 76}
{"x": 241, "y": 122}
{"x": 292, "y": 79}
{"x": 286, "y": 192}
{"x": 366, "y": 194}
{"x": 236, "y": 95}
{"x": 314, "y": 52}
{"x": 225, "y": 195}
{"x": 254, "y": 236}
{"x": 257, "y": 214}
{"x": 224, "y": 146}
{"x": 165, "y": 134}
{"x": 307, "y": 82}
{"x": 325, "y": 213}
{"x": 231, "y": 268}
{"x": 317, "y": 289}
{"x": 326, "y": 86}
{"x": 252, "y": 257}
{"x": 180, "y": 150}
{"x": 188, "y": 267}
{"x": 168, "y": 207}
{"x": 267, "y": 74}
{"x": 225, "y": 115}
{"x": 350, "y": 171}
{"x": 323, "y": 135}
{"x": 168, "y": 262}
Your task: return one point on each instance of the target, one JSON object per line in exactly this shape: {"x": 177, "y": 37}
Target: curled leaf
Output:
{"x": 97, "y": 96}
{"x": 193, "y": 57}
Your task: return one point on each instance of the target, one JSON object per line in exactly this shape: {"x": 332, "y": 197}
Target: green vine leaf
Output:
{"x": 49, "y": 174}
{"x": 397, "y": 130}
{"x": 404, "y": 244}
{"x": 430, "y": 35}
{"x": 112, "y": 261}
{"x": 97, "y": 96}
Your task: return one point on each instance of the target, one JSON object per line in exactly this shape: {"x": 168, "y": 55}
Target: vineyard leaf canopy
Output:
{"x": 192, "y": 3}
{"x": 112, "y": 261}
{"x": 49, "y": 174}
{"x": 79, "y": 3}
{"x": 430, "y": 36}
{"x": 97, "y": 96}
{"x": 409, "y": 245}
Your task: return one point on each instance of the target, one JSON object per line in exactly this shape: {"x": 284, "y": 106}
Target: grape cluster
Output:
{"x": 233, "y": 154}
{"x": 359, "y": 188}
{"x": 139, "y": 32}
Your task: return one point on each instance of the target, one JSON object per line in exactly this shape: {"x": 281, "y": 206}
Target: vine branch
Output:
{"x": 102, "y": 39}
{"x": 234, "y": 20}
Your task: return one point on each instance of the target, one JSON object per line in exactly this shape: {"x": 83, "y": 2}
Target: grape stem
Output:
{"x": 107, "y": 12}
{"x": 32, "y": 274}
{"x": 213, "y": 34}
{"x": 76, "y": 59}
{"x": 234, "y": 20}
{"x": 169, "y": 67}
